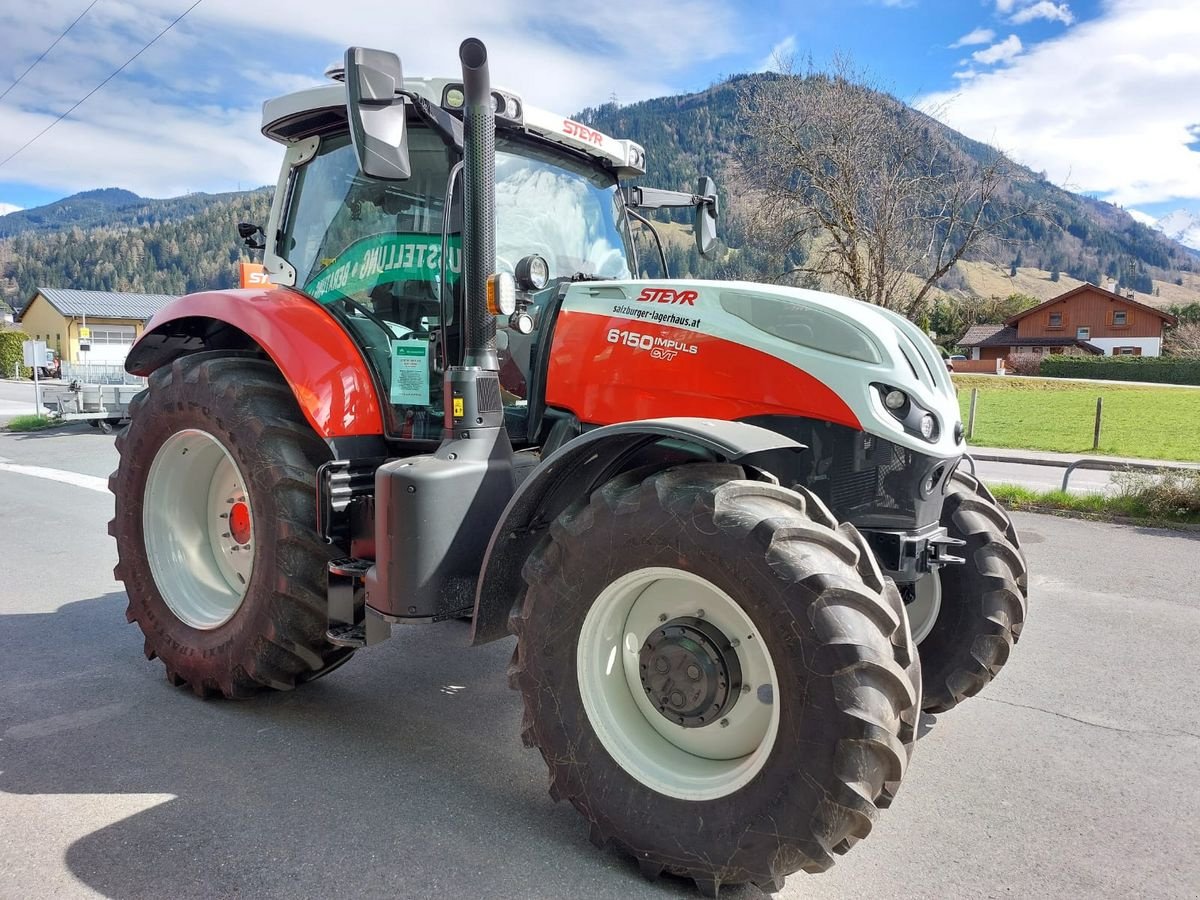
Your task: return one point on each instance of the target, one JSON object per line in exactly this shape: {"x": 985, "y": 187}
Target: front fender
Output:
{"x": 574, "y": 471}
{"x": 323, "y": 366}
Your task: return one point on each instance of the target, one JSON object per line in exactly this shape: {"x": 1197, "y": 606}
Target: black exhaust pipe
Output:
{"x": 479, "y": 206}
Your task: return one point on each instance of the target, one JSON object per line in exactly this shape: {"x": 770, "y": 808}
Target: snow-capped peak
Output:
{"x": 1181, "y": 225}
{"x": 6, "y": 208}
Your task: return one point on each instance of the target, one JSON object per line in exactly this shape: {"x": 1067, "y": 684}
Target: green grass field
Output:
{"x": 1052, "y": 414}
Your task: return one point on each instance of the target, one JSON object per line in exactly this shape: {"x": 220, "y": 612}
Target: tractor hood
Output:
{"x": 785, "y": 341}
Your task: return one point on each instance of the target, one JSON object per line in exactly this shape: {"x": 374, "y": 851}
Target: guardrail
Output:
{"x": 1097, "y": 464}
{"x": 1107, "y": 465}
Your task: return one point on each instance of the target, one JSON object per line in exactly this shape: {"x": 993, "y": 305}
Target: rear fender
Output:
{"x": 320, "y": 362}
{"x": 578, "y": 468}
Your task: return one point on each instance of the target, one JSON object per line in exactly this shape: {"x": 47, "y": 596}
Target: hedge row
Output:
{"x": 10, "y": 353}
{"x": 1158, "y": 369}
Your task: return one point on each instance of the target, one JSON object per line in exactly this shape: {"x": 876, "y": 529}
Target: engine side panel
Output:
{"x": 651, "y": 371}
{"x": 323, "y": 366}
{"x": 626, "y": 350}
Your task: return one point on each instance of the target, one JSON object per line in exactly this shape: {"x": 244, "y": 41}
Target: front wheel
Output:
{"x": 967, "y": 617}
{"x": 717, "y": 675}
{"x": 216, "y": 528}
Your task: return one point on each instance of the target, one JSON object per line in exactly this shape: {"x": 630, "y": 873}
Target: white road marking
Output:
{"x": 91, "y": 482}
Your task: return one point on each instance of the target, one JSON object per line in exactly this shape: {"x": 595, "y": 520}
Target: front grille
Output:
{"x": 847, "y": 488}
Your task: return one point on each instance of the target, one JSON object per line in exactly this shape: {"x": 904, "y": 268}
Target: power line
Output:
{"x": 118, "y": 71}
{"x": 48, "y": 49}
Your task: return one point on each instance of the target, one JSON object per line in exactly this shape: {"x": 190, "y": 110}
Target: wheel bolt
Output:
{"x": 676, "y": 698}
{"x": 661, "y": 664}
{"x": 693, "y": 672}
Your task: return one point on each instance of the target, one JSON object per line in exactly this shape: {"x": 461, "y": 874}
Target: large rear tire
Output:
{"x": 694, "y": 578}
{"x": 981, "y": 604}
{"x": 216, "y": 528}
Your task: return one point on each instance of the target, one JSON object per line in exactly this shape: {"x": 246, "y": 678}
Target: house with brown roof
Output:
{"x": 1087, "y": 319}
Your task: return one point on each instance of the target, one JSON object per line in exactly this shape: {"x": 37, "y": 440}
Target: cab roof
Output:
{"x": 302, "y": 114}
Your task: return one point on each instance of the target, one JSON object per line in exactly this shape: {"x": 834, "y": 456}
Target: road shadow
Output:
{"x": 401, "y": 774}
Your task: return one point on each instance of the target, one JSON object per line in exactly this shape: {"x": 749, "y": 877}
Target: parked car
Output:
{"x": 50, "y": 371}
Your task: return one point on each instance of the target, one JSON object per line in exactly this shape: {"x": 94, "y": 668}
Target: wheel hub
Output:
{"x": 690, "y": 672}
{"x": 239, "y": 522}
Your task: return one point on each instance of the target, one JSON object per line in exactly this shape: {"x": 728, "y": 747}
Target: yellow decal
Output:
{"x": 458, "y": 407}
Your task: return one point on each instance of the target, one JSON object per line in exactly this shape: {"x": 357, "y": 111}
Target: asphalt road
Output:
{"x": 401, "y": 774}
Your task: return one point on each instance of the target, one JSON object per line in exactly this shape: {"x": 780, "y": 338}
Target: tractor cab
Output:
{"x": 385, "y": 256}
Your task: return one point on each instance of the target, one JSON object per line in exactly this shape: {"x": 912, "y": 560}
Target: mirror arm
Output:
{"x": 662, "y": 254}
{"x": 657, "y": 198}
{"x": 449, "y": 129}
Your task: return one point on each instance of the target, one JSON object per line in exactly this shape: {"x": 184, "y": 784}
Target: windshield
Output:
{"x": 371, "y": 251}
{"x": 564, "y": 210}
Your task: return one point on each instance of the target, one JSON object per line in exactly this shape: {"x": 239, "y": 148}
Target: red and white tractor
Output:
{"x": 726, "y": 522}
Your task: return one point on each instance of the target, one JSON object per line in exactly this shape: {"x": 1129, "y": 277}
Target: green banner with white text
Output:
{"x": 383, "y": 259}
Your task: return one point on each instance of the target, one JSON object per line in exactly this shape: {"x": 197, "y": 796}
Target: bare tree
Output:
{"x": 855, "y": 190}
{"x": 1183, "y": 340}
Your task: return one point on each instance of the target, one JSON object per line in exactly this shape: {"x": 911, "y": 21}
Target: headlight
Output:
{"x": 914, "y": 418}
{"x": 928, "y": 427}
{"x": 532, "y": 273}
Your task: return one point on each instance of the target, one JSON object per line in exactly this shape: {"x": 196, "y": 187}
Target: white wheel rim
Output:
{"x": 697, "y": 763}
{"x": 925, "y": 606}
{"x": 198, "y": 529}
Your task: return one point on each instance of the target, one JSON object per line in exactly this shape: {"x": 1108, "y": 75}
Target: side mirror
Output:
{"x": 252, "y": 235}
{"x": 376, "y": 114}
{"x": 706, "y": 215}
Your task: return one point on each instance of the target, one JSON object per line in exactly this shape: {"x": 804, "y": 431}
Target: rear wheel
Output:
{"x": 216, "y": 528}
{"x": 715, "y": 674}
{"x": 967, "y": 618}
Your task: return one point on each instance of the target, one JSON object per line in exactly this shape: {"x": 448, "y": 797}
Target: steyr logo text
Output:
{"x": 666, "y": 295}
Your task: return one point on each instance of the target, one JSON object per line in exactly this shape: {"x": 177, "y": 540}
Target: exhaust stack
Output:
{"x": 479, "y": 206}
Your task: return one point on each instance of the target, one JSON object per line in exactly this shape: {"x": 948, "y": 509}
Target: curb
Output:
{"x": 1100, "y": 517}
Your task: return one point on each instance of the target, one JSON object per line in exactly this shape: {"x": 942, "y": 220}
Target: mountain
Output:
{"x": 106, "y": 207}
{"x": 1182, "y": 226}
{"x": 170, "y": 246}
{"x": 694, "y": 134}
{"x": 112, "y": 239}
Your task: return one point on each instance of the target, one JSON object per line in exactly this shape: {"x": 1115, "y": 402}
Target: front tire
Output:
{"x": 730, "y": 578}
{"x": 981, "y": 604}
{"x": 216, "y": 528}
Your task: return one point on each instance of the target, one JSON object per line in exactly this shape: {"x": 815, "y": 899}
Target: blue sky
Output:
{"x": 1100, "y": 94}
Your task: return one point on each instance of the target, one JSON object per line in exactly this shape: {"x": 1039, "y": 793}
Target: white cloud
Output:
{"x": 978, "y": 36}
{"x": 779, "y": 55}
{"x": 6, "y": 208}
{"x": 185, "y": 116}
{"x": 1106, "y": 106}
{"x": 1005, "y": 6}
{"x": 1144, "y": 218}
{"x": 1004, "y": 51}
{"x": 1052, "y": 12}
{"x": 965, "y": 74}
